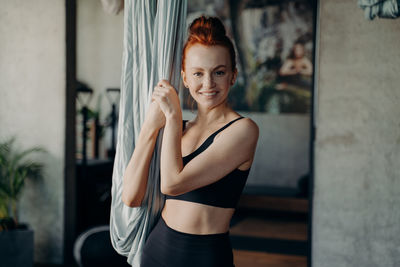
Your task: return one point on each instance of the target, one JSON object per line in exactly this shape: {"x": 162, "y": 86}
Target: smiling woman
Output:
{"x": 203, "y": 187}
{"x": 208, "y": 74}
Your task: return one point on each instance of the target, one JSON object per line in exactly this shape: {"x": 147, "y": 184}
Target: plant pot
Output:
{"x": 16, "y": 247}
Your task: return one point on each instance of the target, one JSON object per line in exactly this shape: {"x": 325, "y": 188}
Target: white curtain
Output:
{"x": 153, "y": 42}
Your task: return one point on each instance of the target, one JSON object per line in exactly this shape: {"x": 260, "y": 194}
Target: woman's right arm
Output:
{"x": 136, "y": 173}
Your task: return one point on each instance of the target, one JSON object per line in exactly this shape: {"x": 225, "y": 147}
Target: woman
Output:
{"x": 297, "y": 62}
{"x": 203, "y": 187}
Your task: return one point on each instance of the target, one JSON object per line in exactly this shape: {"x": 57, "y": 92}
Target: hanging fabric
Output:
{"x": 382, "y": 8}
{"x": 153, "y": 42}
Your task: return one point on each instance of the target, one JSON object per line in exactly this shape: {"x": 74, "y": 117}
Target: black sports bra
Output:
{"x": 224, "y": 193}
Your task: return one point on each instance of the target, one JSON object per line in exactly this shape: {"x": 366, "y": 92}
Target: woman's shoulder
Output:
{"x": 247, "y": 121}
{"x": 247, "y": 127}
{"x": 243, "y": 134}
{"x": 242, "y": 130}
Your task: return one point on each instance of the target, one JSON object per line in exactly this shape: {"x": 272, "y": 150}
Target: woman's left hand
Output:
{"x": 165, "y": 95}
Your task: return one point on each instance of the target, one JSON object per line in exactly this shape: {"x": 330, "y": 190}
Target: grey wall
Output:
{"x": 356, "y": 211}
{"x": 282, "y": 155}
{"x": 32, "y": 107}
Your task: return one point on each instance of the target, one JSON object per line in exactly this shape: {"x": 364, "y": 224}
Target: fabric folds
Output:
{"x": 153, "y": 41}
{"x": 380, "y": 8}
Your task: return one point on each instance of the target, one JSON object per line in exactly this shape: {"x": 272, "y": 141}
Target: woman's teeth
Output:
{"x": 209, "y": 94}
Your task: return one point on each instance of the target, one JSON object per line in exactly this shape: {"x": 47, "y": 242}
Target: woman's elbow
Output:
{"x": 131, "y": 202}
{"x": 167, "y": 189}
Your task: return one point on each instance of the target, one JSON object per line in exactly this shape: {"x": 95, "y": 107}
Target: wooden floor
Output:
{"x": 245, "y": 258}
{"x": 287, "y": 229}
{"x": 271, "y": 228}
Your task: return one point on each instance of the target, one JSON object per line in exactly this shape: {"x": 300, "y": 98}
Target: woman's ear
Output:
{"x": 183, "y": 74}
{"x": 234, "y": 76}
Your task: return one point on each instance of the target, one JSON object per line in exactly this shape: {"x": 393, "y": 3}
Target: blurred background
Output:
{"x": 323, "y": 188}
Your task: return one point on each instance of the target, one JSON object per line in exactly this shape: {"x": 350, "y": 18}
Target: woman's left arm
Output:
{"x": 224, "y": 155}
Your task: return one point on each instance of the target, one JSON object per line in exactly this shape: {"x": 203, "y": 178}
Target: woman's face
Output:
{"x": 298, "y": 50}
{"x": 208, "y": 74}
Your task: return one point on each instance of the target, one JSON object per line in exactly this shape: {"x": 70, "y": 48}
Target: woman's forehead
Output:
{"x": 200, "y": 56}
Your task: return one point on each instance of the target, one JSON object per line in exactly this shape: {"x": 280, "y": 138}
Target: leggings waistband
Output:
{"x": 197, "y": 238}
{"x": 210, "y": 236}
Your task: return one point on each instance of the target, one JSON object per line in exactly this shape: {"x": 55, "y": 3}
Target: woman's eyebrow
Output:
{"x": 217, "y": 67}
{"x": 220, "y": 66}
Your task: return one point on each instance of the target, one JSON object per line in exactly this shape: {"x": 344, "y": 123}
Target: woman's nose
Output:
{"x": 208, "y": 82}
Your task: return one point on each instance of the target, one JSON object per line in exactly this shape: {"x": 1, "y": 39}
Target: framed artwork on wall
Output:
{"x": 274, "y": 44}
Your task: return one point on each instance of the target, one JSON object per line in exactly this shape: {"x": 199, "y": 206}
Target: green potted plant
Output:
{"x": 16, "y": 239}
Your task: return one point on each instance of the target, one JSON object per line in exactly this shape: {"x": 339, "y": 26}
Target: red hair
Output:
{"x": 208, "y": 31}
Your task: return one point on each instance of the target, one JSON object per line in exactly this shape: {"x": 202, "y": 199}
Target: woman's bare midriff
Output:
{"x": 196, "y": 218}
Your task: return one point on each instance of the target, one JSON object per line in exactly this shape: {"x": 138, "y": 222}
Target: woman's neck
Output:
{"x": 217, "y": 114}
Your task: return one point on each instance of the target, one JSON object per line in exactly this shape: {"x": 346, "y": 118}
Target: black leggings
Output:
{"x": 168, "y": 247}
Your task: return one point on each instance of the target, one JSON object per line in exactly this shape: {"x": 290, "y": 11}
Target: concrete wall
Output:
{"x": 32, "y": 107}
{"x": 357, "y": 175}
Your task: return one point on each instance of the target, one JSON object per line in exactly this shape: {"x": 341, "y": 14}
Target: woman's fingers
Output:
{"x": 165, "y": 93}
{"x": 165, "y": 83}
{"x": 167, "y": 98}
{"x": 166, "y": 90}
{"x": 160, "y": 96}
{"x": 162, "y": 100}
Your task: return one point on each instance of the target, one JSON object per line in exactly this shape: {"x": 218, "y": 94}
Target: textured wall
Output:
{"x": 357, "y": 175}
{"x": 32, "y": 107}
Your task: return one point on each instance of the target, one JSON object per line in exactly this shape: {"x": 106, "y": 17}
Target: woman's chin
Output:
{"x": 209, "y": 104}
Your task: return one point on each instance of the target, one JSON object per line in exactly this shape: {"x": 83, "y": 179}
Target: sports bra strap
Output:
{"x": 224, "y": 127}
{"x": 219, "y": 130}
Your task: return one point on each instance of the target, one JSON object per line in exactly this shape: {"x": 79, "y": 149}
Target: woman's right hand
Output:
{"x": 154, "y": 117}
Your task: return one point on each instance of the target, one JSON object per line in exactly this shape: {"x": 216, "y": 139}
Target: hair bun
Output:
{"x": 209, "y": 31}
{"x": 206, "y": 29}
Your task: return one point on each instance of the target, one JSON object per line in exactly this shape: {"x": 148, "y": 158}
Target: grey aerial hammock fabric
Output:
{"x": 381, "y": 8}
{"x": 153, "y": 42}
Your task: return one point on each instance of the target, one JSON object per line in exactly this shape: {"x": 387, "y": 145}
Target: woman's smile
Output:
{"x": 208, "y": 93}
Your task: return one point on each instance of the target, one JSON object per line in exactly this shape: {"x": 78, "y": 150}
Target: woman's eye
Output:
{"x": 198, "y": 74}
{"x": 220, "y": 73}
